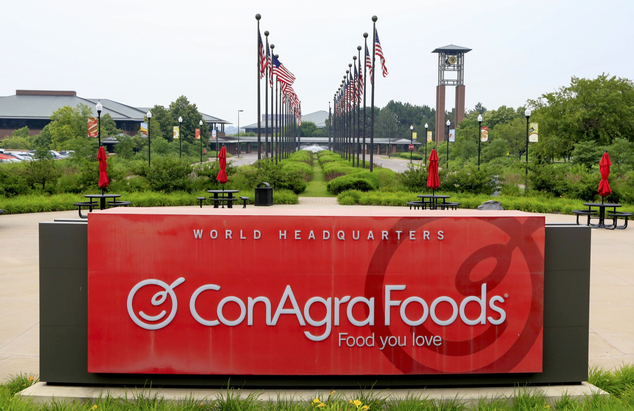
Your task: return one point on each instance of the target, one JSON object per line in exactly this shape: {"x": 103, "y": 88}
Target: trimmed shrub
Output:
{"x": 350, "y": 182}
{"x": 414, "y": 156}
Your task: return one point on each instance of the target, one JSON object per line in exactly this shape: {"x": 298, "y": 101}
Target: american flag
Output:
{"x": 358, "y": 84}
{"x": 262, "y": 56}
{"x": 368, "y": 62}
{"x": 379, "y": 52}
{"x": 268, "y": 63}
{"x": 283, "y": 75}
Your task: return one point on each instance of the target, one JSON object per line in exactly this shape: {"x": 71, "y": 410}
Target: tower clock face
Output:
{"x": 452, "y": 60}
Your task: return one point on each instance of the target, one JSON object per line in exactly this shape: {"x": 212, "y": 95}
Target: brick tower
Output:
{"x": 450, "y": 61}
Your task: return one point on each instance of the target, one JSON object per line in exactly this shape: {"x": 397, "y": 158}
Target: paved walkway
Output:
{"x": 612, "y": 291}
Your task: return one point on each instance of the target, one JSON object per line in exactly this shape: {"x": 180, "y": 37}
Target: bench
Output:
{"x": 223, "y": 200}
{"x": 201, "y": 199}
{"x": 416, "y": 205}
{"x": 619, "y": 214}
{"x": 89, "y": 204}
{"x": 114, "y": 203}
{"x": 448, "y": 205}
{"x": 244, "y": 199}
{"x": 586, "y": 213}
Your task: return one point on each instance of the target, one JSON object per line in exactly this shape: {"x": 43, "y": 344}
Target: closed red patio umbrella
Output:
{"x": 222, "y": 161}
{"x": 604, "y": 168}
{"x": 433, "y": 181}
{"x": 103, "y": 169}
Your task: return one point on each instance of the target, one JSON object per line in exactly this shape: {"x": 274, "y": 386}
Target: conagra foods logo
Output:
{"x": 383, "y": 302}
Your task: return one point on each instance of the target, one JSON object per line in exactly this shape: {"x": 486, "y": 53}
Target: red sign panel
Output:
{"x": 251, "y": 294}
{"x": 93, "y": 130}
{"x": 411, "y": 146}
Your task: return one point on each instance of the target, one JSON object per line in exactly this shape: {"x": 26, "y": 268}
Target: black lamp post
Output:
{"x": 448, "y": 124}
{"x": 180, "y": 136}
{"x": 201, "y": 140}
{"x": 425, "y": 139}
{"x": 99, "y": 107}
{"x": 527, "y": 113}
{"x": 149, "y": 137}
{"x": 479, "y": 137}
{"x": 411, "y": 143}
{"x": 239, "y": 147}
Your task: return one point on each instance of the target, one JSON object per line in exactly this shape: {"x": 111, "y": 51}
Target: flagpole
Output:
{"x": 360, "y": 90}
{"x": 266, "y": 99}
{"x": 277, "y": 124}
{"x": 365, "y": 74}
{"x": 272, "y": 105}
{"x": 374, "y": 19}
{"x": 257, "y": 17}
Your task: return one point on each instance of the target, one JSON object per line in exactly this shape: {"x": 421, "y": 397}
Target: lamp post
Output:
{"x": 99, "y": 107}
{"x": 425, "y": 139}
{"x": 239, "y": 111}
{"x": 180, "y": 136}
{"x": 527, "y": 113}
{"x": 448, "y": 124}
{"x": 411, "y": 143}
{"x": 201, "y": 140}
{"x": 149, "y": 137}
{"x": 479, "y": 137}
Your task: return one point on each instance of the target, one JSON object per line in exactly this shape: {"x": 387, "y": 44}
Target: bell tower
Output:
{"x": 450, "y": 73}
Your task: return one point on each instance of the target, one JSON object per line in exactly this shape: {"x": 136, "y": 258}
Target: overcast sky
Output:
{"x": 143, "y": 53}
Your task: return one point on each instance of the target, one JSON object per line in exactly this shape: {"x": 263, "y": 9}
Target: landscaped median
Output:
{"x": 530, "y": 204}
{"x": 619, "y": 383}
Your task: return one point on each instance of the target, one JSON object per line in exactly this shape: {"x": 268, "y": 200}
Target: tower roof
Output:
{"x": 452, "y": 48}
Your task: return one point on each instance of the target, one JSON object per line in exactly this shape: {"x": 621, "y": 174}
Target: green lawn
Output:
{"x": 317, "y": 186}
{"x": 619, "y": 383}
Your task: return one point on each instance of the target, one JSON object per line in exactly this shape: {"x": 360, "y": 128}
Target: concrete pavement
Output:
{"x": 611, "y": 307}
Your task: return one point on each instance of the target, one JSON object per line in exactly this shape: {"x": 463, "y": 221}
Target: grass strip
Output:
{"x": 619, "y": 383}
{"x": 317, "y": 187}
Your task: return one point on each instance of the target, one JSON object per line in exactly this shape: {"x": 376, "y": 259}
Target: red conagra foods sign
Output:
{"x": 247, "y": 294}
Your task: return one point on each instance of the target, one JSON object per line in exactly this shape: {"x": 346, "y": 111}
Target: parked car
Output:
{"x": 25, "y": 156}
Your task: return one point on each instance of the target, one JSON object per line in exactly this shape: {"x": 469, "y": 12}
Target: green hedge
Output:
{"x": 529, "y": 204}
{"x": 37, "y": 203}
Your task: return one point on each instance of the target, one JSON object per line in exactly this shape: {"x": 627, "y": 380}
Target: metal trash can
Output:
{"x": 264, "y": 195}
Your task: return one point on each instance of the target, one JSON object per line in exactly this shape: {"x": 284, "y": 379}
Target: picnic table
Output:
{"x": 222, "y": 197}
{"x": 102, "y": 204}
{"x": 433, "y": 202}
{"x": 599, "y": 210}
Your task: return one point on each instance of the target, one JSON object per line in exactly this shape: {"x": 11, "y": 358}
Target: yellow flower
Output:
{"x": 332, "y": 392}
{"x": 357, "y": 403}
{"x": 316, "y": 400}
{"x": 321, "y": 404}
{"x": 365, "y": 408}
{"x": 94, "y": 407}
{"x": 31, "y": 378}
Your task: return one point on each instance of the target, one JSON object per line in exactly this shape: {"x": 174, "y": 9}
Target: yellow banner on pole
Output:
{"x": 484, "y": 134}
{"x": 533, "y": 134}
{"x": 415, "y": 135}
{"x": 429, "y": 136}
{"x": 176, "y": 133}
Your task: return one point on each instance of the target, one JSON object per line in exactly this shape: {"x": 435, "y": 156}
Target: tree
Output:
{"x": 598, "y": 110}
{"x": 41, "y": 172}
{"x": 514, "y": 133}
{"x": 68, "y": 123}
{"x": 20, "y": 139}
{"x": 191, "y": 118}
{"x": 108, "y": 127}
{"x": 479, "y": 108}
{"x": 307, "y": 129}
